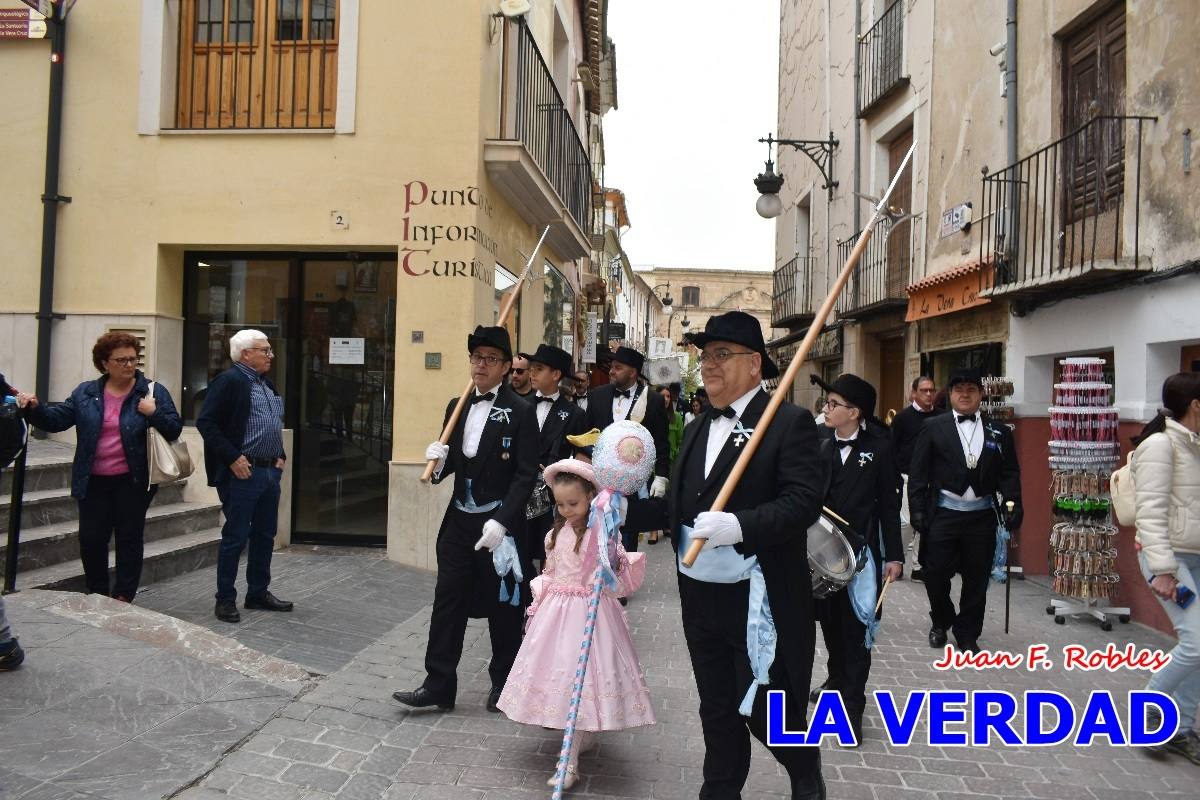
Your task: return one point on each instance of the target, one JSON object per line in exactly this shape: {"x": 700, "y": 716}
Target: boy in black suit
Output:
{"x": 629, "y": 397}
{"x": 964, "y": 467}
{"x": 759, "y": 540}
{"x": 493, "y": 457}
{"x": 862, "y": 491}
{"x": 557, "y": 418}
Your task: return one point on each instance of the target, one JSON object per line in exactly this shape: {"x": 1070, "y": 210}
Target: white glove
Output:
{"x": 622, "y": 506}
{"x": 718, "y": 527}
{"x": 659, "y": 487}
{"x": 493, "y": 535}
{"x": 437, "y": 452}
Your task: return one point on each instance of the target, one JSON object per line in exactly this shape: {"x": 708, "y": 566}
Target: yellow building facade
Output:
{"x": 364, "y": 182}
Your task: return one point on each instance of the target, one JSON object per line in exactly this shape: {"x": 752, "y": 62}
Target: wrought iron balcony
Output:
{"x": 791, "y": 303}
{"x": 1068, "y": 212}
{"x": 539, "y": 161}
{"x": 881, "y": 59}
{"x": 882, "y": 274}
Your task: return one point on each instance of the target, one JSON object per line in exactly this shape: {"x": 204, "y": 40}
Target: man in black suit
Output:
{"x": 518, "y": 377}
{"x": 492, "y": 455}
{"x": 862, "y": 491}
{"x": 963, "y": 465}
{"x": 760, "y": 540}
{"x": 557, "y": 418}
{"x": 629, "y": 397}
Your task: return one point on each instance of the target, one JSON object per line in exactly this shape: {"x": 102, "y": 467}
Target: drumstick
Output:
{"x": 500, "y": 323}
{"x": 789, "y": 377}
{"x": 887, "y": 582}
{"x": 829, "y": 513}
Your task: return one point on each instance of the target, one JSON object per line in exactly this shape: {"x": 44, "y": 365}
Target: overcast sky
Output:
{"x": 696, "y": 89}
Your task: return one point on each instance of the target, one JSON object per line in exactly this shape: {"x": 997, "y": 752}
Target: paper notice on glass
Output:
{"x": 588, "y": 354}
{"x": 347, "y": 350}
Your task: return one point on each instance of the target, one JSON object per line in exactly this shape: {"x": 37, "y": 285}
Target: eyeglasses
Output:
{"x": 266, "y": 351}
{"x": 722, "y": 355}
{"x": 835, "y": 404}
{"x": 127, "y": 361}
{"x": 491, "y": 361}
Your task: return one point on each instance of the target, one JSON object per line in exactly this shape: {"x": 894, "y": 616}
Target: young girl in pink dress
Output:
{"x": 538, "y": 690}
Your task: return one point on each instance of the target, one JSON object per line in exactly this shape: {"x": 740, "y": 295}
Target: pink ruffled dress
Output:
{"x": 538, "y": 690}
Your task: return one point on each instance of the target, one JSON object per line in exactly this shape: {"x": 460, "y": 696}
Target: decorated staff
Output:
{"x": 501, "y": 321}
{"x": 492, "y": 454}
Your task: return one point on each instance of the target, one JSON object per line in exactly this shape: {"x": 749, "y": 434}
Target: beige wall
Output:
{"x": 721, "y": 290}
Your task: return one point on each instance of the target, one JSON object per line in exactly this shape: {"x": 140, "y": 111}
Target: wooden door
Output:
{"x": 892, "y": 394}
{"x": 257, "y": 64}
{"x": 1094, "y": 86}
{"x": 899, "y": 243}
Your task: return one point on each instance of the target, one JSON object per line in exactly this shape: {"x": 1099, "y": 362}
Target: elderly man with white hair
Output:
{"x": 242, "y": 426}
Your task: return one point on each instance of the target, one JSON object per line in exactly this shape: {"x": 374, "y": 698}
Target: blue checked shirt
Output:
{"x": 264, "y": 428}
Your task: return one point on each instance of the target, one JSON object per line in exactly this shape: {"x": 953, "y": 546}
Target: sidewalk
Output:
{"x": 342, "y": 736}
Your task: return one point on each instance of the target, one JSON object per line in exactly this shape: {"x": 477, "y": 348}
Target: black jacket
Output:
{"x": 939, "y": 463}
{"x": 905, "y": 429}
{"x": 863, "y": 492}
{"x": 776, "y": 501}
{"x": 222, "y": 421}
{"x": 599, "y": 415}
{"x": 565, "y": 419}
{"x": 505, "y": 466}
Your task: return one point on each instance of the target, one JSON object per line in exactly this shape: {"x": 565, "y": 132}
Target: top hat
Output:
{"x": 629, "y": 357}
{"x": 553, "y": 357}
{"x": 965, "y": 375}
{"x": 490, "y": 337}
{"x": 740, "y": 328}
{"x": 857, "y": 392}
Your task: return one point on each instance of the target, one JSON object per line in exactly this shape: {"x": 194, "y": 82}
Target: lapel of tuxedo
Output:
{"x": 690, "y": 437}
{"x": 991, "y": 436}
{"x": 604, "y": 413}
{"x": 552, "y": 431}
{"x": 954, "y": 441}
{"x": 732, "y": 447}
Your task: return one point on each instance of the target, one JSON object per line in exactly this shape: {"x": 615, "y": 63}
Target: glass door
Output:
{"x": 347, "y": 326}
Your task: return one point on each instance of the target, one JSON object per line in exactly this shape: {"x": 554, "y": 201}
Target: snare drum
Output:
{"x": 830, "y": 556}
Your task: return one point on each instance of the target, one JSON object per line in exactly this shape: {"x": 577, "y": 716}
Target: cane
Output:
{"x": 500, "y": 321}
{"x": 1009, "y": 506}
{"x": 789, "y": 377}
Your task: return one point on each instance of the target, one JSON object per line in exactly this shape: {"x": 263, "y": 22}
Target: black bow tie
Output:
{"x": 479, "y": 398}
{"x": 728, "y": 413}
{"x": 624, "y": 392}
{"x": 543, "y": 399}
{"x": 963, "y": 420}
{"x": 846, "y": 442}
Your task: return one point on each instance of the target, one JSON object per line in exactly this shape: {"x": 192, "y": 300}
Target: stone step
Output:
{"x": 50, "y": 506}
{"x": 48, "y": 545}
{"x": 163, "y": 559}
{"x": 40, "y": 475}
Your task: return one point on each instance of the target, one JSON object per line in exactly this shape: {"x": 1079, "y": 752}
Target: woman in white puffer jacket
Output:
{"x": 1166, "y": 478}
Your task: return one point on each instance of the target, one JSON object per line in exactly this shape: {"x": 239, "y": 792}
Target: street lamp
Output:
{"x": 667, "y": 309}
{"x": 683, "y": 324}
{"x": 769, "y": 182}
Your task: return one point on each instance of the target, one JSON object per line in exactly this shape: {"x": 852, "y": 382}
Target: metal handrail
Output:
{"x": 881, "y": 57}
{"x": 792, "y": 290}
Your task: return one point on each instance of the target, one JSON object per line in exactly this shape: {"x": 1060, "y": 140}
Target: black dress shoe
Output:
{"x": 917, "y": 574}
{"x": 937, "y": 637}
{"x": 815, "y": 694}
{"x": 422, "y": 698}
{"x": 226, "y": 611}
{"x": 967, "y": 645}
{"x": 809, "y": 788}
{"x": 268, "y": 602}
{"x": 493, "y": 703}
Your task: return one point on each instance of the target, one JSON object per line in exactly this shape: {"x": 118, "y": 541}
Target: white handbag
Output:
{"x": 166, "y": 462}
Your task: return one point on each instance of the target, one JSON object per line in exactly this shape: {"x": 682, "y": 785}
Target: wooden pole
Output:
{"x": 505, "y": 312}
{"x": 789, "y": 377}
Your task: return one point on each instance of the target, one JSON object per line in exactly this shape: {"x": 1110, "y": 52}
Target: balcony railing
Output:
{"x": 881, "y": 58}
{"x": 883, "y": 272}
{"x": 792, "y": 299}
{"x": 540, "y": 120}
{"x": 1062, "y": 212}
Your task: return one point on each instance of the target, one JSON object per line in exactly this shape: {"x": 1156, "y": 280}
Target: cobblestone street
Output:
{"x": 103, "y": 710}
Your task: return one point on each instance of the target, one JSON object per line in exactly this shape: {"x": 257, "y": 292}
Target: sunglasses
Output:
{"x": 518, "y": 371}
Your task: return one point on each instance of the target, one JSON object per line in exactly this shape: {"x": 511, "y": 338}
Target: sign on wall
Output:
{"x": 347, "y": 350}
{"x": 588, "y": 355}
{"x": 21, "y": 23}
{"x": 956, "y": 219}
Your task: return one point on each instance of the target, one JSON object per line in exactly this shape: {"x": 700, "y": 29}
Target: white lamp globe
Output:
{"x": 769, "y": 206}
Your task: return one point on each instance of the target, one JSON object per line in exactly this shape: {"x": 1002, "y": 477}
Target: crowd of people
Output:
{"x": 518, "y": 545}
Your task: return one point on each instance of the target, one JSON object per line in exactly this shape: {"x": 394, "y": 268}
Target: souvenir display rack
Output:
{"x": 1084, "y": 451}
{"x": 997, "y": 392}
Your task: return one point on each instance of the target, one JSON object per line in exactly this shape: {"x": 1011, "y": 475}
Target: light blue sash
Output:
{"x": 958, "y": 504}
{"x": 469, "y": 506}
{"x": 760, "y": 637}
{"x": 864, "y": 594}
{"x": 505, "y": 559}
{"x": 716, "y": 565}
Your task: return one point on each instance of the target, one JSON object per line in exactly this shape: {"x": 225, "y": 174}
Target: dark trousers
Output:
{"x": 251, "y": 516}
{"x": 849, "y": 663}
{"x": 963, "y": 542}
{"x": 114, "y": 504}
{"x": 714, "y": 625}
{"x": 467, "y": 586}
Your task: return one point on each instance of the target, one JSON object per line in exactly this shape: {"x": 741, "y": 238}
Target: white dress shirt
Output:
{"x": 720, "y": 428}
{"x": 621, "y": 405}
{"x": 970, "y": 436}
{"x": 844, "y": 445}
{"x": 543, "y": 409}
{"x": 477, "y": 417}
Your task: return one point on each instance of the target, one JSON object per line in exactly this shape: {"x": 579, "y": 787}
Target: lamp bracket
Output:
{"x": 819, "y": 151}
